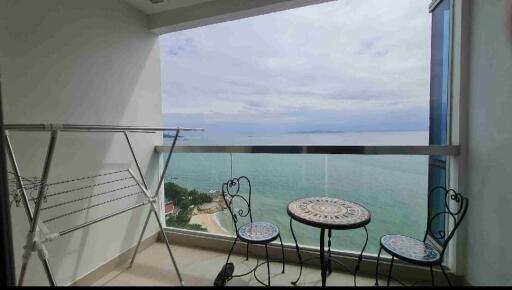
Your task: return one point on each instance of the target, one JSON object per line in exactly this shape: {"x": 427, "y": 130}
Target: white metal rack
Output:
{"x": 117, "y": 187}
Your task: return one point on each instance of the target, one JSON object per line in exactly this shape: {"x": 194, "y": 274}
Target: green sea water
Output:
{"x": 392, "y": 187}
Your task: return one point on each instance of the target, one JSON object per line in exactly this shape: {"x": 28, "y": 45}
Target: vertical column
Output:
{"x": 7, "y": 273}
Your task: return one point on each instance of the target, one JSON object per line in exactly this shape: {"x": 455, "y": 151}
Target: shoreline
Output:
{"x": 210, "y": 222}
{"x": 216, "y": 218}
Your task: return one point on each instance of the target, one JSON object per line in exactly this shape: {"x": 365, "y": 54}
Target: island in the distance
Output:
{"x": 318, "y": 131}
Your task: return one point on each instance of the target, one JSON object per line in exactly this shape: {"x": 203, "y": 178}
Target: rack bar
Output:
{"x": 37, "y": 210}
{"x": 135, "y": 159}
{"x": 141, "y": 236}
{"x": 37, "y": 184}
{"x": 168, "y": 246}
{"x": 167, "y": 163}
{"x": 19, "y": 179}
{"x": 87, "y": 197}
{"x": 84, "y": 187}
{"x": 156, "y": 193}
{"x": 91, "y": 206}
{"x": 92, "y": 128}
{"x": 70, "y": 230}
{"x": 26, "y": 203}
{"x": 87, "y": 177}
{"x": 166, "y": 240}
{"x": 27, "y": 182}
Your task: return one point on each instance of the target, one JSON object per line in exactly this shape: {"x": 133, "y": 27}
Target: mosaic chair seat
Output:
{"x": 410, "y": 250}
{"x": 238, "y": 202}
{"x": 428, "y": 252}
{"x": 258, "y": 232}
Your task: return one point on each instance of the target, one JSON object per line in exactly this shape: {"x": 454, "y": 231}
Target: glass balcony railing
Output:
{"x": 392, "y": 187}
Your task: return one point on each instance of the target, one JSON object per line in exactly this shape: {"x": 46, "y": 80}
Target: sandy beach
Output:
{"x": 207, "y": 221}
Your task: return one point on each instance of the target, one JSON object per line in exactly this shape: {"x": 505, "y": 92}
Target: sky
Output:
{"x": 346, "y": 65}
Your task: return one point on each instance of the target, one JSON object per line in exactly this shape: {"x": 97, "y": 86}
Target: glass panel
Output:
{"x": 393, "y": 188}
{"x": 439, "y": 97}
{"x": 437, "y": 177}
{"x": 439, "y": 71}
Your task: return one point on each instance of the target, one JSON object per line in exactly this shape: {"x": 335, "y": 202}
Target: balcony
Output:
{"x": 379, "y": 177}
{"x": 98, "y": 62}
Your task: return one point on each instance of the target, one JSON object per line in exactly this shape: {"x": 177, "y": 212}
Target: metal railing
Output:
{"x": 430, "y": 150}
{"x": 412, "y": 150}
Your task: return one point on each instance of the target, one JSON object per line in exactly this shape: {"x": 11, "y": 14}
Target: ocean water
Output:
{"x": 392, "y": 187}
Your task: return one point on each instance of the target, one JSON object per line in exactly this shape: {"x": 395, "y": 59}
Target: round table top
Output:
{"x": 327, "y": 212}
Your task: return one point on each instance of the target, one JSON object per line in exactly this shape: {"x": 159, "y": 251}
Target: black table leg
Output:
{"x": 360, "y": 258}
{"x": 298, "y": 253}
{"x": 323, "y": 267}
{"x": 302, "y": 211}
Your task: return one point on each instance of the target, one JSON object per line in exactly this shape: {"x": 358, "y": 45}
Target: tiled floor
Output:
{"x": 200, "y": 267}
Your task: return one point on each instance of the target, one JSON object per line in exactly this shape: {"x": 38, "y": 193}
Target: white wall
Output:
{"x": 73, "y": 61}
{"x": 489, "y": 156}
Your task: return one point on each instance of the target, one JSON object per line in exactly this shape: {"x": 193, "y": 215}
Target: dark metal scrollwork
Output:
{"x": 455, "y": 207}
{"x": 231, "y": 192}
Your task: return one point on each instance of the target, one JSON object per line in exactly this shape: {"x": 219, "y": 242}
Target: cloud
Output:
{"x": 350, "y": 60}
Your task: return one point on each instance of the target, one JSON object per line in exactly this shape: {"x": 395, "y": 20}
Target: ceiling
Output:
{"x": 149, "y": 8}
{"x": 175, "y": 15}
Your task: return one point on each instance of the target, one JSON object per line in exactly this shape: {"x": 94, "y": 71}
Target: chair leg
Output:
{"x": 299, "y": 256}
{"x": 229, "y": 255}
{"x": 247, "y": 252}
{"x": 329, "y": 263}
{"x": 377, "y": 268}
{"x": 282, "y": 251}
{"x": 445, "y": 276}
{"x": 268, "y": 265}
{"x": 390, "y": 269}
{"x": 432, "y": 275}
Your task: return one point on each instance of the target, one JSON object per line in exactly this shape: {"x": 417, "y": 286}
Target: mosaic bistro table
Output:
{"x": 328, "y": 214}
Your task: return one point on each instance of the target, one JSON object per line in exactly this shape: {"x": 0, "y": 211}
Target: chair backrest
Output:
{"x": 453, "y": 209}
{"x": 237, "y": 202}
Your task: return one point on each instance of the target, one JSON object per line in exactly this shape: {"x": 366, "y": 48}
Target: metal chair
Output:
{"x": 424, "y": 252}
{"x": 260, "y": 232}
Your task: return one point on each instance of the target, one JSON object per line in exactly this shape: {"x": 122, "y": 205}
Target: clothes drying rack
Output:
{"x": 105, "y": 186}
